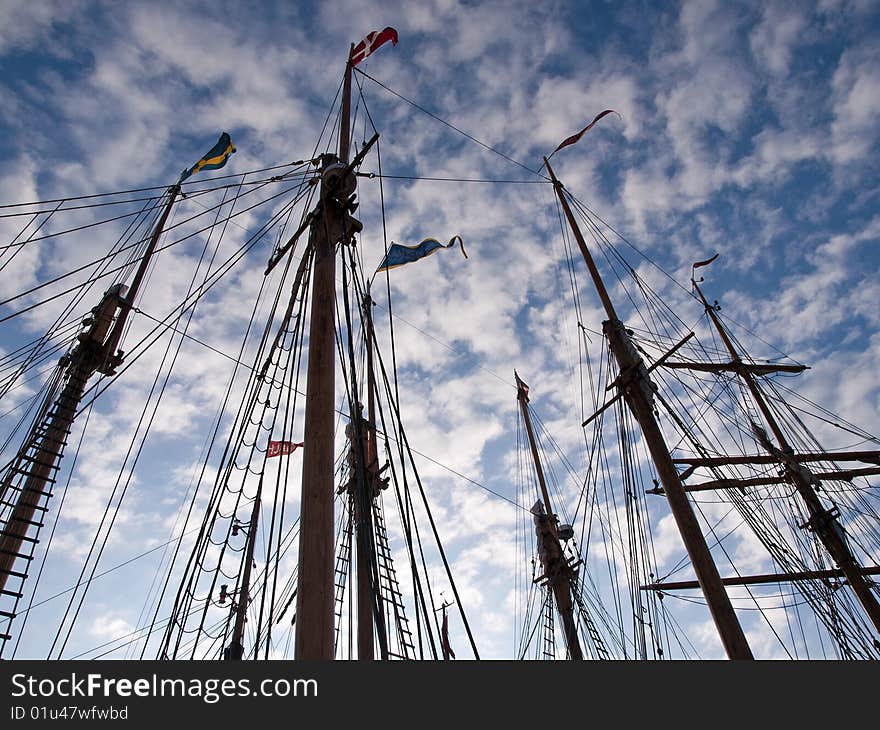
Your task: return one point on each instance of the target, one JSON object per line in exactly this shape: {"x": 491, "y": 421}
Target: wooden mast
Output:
{"x": 637, "y": 390}
{"x": 48, "y": 439}
{"x": 364, "y": 502}
{"x": 822, "y": 521}
{"x": 235, "y": 651}
{"x": 314, "y": 600}
{"x": 558, "y": 572}
{"x": 95, "y": 352}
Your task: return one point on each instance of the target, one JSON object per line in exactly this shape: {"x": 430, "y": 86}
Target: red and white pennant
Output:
{"x": 371, "y": 43}
{"x": 279, "y": 448}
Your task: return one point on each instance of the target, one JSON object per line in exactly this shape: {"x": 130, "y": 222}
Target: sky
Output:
{"x": 745, "y": 129}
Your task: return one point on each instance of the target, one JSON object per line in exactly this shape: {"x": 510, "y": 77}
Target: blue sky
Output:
{"x": 749, "y": 129}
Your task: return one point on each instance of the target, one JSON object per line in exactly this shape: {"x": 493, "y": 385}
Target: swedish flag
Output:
{"x": 399, "y": 255}
{"x": 214, "y": 159}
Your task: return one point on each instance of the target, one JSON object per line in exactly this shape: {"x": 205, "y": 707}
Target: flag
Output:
{"x": 444, "y": 638}
{"x": 214, "y": 159}
{"x": 398, "y": 254}
{"x": 371, "y": 43}
{"x": 575, "y": 137}
{"x": 706, "y": 262}
{"x": 521, "y": 387}
{"x": 277, "y": 448}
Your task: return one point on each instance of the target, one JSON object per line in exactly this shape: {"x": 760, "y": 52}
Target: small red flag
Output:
{"x": 575, "y": 137}
{"x": 444, "y": 637}
{"x": 706, "y": 262}
{"x": 371, "y": 43}
{"x": 277, "y": 448}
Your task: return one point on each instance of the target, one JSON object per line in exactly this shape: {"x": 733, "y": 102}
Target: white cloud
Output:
{"x": 856, "y": 125}
{"x": 777, "y": 34}
{"x": 725, "y": 144}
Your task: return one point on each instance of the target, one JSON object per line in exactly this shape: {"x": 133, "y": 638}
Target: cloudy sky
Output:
{"x": 747, "y": 129}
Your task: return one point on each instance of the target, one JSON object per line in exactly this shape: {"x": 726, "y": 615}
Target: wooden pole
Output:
{"x": 751, "y": 580}
{"x": 822, "y": 521}
{"x": 637, "y": 391}
{"x": 151, "y": 247}
{"x": 314, "y": 612}
{"x": 235, "y": 651}
{"x": 127, "y": 304}
{"x": 89, "y": 355}
{"x": 365, "y": 599}
{"x": 345, "y": 120}
{"x": 93, "y": 353}
{"x": 314, "y": 599}
{"x": 523, "y": 401}
{"x": 558, "y": 572}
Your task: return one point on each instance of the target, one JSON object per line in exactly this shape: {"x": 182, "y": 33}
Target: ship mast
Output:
{"x": 557, "y": 571}
{"x": 329, "y": 226}
{"x": 94, "y": 352}
{"x": 363, "y": 488}
{"x": 637, "y": 390}
{"x": 363, "y": 507}
{"x": 821, "y": 520}
{"x": 235, "y": 650}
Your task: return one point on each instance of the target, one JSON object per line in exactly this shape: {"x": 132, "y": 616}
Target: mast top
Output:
{"x": 522, "y": 389}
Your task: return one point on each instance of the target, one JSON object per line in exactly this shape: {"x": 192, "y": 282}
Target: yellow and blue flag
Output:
{"x": 399, "y": 255}
{"x": 214, "y": 159}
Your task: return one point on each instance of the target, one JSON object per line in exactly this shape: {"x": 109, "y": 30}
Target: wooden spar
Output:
{"x": 372, "y": 447}
{"x": 523, "y": 401}
{"x": 732, "y": 367}
{"x": 148, "y": 254}
{"x": 127, "y": 304}
{"x": 751, "y": 580}
{"x": 364, "y": 521}
{"x": 618, "y": 380}
{"x": 47, "y": 439}
{"x": 843, "y": 475}
{"x": 235, "y": 651}
{"x": 314, "y": 600}
{"x": 867, "y": 457}
{"x": 822, "y": 521}
{"x": 95, "y": 352}
{"x": 638, "y": 395}
{"x": 558, "y": 572}
{"x": 345, "y": 121}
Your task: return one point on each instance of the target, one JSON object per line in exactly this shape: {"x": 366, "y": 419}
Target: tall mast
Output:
{"x": 48, "y": 438}
{"x": 364, "y": 501}
{"x": 127, "y": 304}
{"x": 637, "y": 391}
{"x": 235, "y": 650}
{"x": 559, "y": 574}
{"x": 314, "y": 600}
{"x": 94, "y": 352}
{"x": 822, "y": 521}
